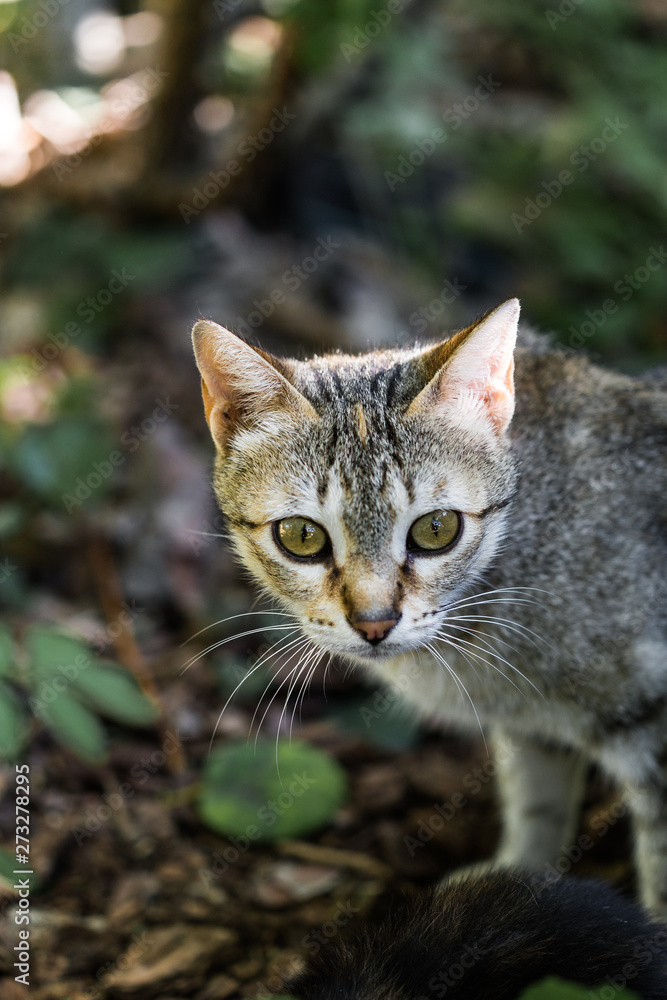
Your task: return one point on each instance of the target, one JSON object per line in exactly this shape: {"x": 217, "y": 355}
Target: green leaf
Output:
{"x": 12, "y": 517}
{"x": 7, "y": 651}
{"x": 76, "y": 728}
{"x": 9, "y": 865}
{"x": 269, "y": 791}
{"x": 51, "y": 652}
{"x": 66, "y": 458}
{"x": 555, "y": 988}
{"x": 111, "y": 691}
{"x": 13, "y": 728}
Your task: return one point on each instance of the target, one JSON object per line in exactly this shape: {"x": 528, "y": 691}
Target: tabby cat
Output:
{"x": 500, "y": 562}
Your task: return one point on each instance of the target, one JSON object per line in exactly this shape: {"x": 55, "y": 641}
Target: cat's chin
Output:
{"x": 374, "y": 655}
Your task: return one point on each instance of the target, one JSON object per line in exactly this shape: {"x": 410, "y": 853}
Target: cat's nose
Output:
{"x": 373, "y": 631}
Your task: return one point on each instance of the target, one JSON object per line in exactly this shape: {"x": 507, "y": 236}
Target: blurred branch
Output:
{"x": 169, "y": 138}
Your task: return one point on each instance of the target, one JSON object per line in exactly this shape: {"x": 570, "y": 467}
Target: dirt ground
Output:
{"x": 136, "y": 898}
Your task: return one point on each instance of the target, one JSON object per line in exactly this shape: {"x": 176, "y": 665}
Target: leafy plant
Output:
{"x": 270, "y": 791}
{"x": 66, "y": 687}
{"x": 8, "y": 867}
{"x": 555, "y": 988}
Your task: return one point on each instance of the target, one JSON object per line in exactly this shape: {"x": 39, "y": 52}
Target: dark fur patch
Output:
{"x": 489, "y": 939}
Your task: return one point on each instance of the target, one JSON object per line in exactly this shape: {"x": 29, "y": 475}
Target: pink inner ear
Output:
{"x": 477, "y": 385}
{"x": 499, "y": 398}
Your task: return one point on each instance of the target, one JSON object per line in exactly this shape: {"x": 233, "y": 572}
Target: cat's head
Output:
{"x": 365, "y": 493}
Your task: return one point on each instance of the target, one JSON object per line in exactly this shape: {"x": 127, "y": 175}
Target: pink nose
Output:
{"x": 375, "y": 632}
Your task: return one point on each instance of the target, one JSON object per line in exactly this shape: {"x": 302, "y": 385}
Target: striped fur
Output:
{"x": 546, "y": 622}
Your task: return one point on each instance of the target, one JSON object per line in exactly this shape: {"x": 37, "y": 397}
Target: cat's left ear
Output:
{"x": 471, "y": 376}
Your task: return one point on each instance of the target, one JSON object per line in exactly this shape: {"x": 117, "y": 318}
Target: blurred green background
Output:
{"x": 314, "y": 175}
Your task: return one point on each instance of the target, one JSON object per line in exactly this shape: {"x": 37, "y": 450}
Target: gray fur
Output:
{"x": 564, "y": 525}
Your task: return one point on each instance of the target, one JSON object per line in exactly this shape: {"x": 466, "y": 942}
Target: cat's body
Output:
{"x": 552, "y": 580}
{"x": 489, "y": 939}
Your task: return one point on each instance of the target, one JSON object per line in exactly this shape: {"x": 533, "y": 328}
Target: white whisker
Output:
{"x": 304, "y": 690}
{"x": 231, "y": 638}
{"x": 483, "y": 659}
{"x": 231, "y": 618}
{"x": 508, "y": 623}
{"x": 297, "y": 651}
{"x": 245, "y": 677}
{"x": 461, "y": 686}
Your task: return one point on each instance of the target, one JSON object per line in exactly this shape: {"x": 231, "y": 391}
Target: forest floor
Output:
{"x": 137, "y": 898}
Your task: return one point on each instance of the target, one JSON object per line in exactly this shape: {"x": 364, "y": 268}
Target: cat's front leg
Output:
{"x": 540, "y": 789}
{"x": 648, "y": 804}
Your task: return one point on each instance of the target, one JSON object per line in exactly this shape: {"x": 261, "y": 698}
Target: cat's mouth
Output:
{"x": 386, "y": 650}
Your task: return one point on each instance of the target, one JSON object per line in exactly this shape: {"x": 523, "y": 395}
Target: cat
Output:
{"x": 489, "y": 939}
{"x": 498, "y": 557}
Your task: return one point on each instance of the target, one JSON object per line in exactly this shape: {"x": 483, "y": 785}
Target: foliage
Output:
{"x": 65, "y": 687}
{"x": 8, "y": 867}
{"x": 572, "y": 253}
{"x": 554, "y": 988}
{"x": 270, "y": 791}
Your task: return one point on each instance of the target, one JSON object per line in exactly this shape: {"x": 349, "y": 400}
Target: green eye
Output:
{"x": 301, "y": 537}
{"x": 435, "y": 531}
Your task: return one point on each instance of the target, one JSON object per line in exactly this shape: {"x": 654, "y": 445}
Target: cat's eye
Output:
{"x": 435, "y": 531}
{"x": 301, "y": 537}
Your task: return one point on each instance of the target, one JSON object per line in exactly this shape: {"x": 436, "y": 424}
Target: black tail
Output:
{"x": 490, "y": 938}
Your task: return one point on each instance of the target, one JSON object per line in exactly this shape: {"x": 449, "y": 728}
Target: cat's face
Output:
{"x": 365, "y": 493}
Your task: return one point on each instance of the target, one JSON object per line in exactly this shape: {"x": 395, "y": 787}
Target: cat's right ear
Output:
{"x": 241, "y": 385}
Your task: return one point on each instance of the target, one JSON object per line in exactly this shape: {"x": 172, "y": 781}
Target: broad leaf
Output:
{"x": 554, "y": 988}
{"x": 7, "y": 651}
{"x": 69, "y": 458}
{"x": 269, "y": 792}
{"x": 111, "y": 691}
{"x": 51, "y": 652}
{"x": 76, "y": 728}
{"x": 13, "y": 727}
